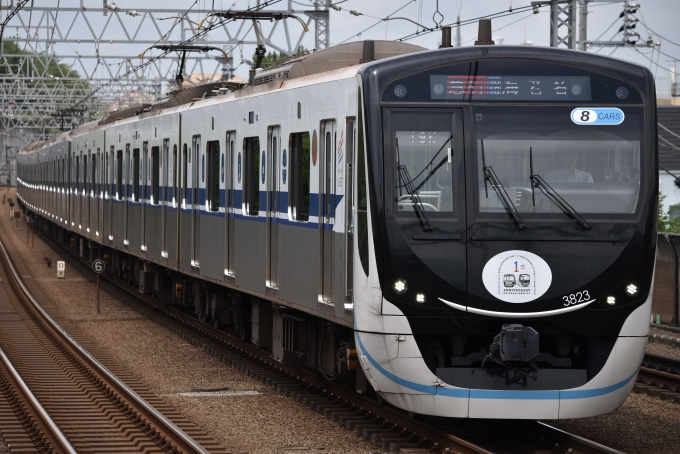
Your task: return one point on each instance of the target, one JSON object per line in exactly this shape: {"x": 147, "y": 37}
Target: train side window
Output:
{"x": 119, "y": 174}
{"x": 212, "y": 183}
{"x": 155, "y": 174}
{"x": 298, "y": 185}
{"x": 135, "y": 174}
{"x": 251, "y": 175}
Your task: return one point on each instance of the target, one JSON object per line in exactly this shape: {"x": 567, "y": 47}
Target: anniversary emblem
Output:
{"x": 517, "y": 276}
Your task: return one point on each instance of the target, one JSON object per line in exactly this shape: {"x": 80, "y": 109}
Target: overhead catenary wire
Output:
{"x": 377, "y": 23}
{"x": 151, "y": 60}
{"x": 13, "y": 13}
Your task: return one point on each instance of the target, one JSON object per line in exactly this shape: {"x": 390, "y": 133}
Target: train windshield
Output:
{"x": 595, "y": 168}
{"x": 423, "y": 145}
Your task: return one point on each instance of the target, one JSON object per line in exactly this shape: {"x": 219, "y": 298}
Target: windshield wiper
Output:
{"x": 407, "y": 183}
{"x": 490, "y": 175}
{"x": 537, "y": 181}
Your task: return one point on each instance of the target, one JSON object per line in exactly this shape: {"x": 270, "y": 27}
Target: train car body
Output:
{"x": 474, "y": 227}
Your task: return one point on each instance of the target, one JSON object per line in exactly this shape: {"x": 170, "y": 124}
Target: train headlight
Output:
{"x": 611, "y": 300}
{"x": 420, "y": 298}
{"x": 400, "y": 286}
{"x": 632, "y": 289}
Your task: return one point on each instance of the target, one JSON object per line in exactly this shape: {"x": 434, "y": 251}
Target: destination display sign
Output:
{"x": 510, "y": 88}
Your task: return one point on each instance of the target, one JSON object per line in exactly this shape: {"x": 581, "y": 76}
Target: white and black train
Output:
{"x": 475, "y": 227}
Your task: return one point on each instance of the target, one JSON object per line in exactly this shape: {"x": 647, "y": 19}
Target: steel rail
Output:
{"x": 184, "y": 442}
{"x": 48, "y": 427}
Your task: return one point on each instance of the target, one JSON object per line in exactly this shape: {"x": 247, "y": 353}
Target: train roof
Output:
{"x": 331, "y": 58}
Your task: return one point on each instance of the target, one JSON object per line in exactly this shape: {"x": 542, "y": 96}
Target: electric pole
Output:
{"x": 458, "y": 31}
{"x": 583, "y": 25}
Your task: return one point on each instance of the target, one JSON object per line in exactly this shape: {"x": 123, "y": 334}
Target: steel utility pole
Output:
{"x": 458, "y": 32}
{"x": 583, "y": 25}
{"x": 562, "y": 22}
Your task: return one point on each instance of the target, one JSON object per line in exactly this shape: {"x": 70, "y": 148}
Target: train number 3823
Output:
{"x": 575, "y": 298}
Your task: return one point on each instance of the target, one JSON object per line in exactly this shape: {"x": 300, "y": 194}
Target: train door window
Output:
{"x": 93, "y": 175}
{"x": 112, "y": 172}
{"x": 251, "y": 175}
{"x": 119, "y": 174}
{"x": 86, "y": 174}
{"x": 155, "y": 174}
{"x": 135, "y": 174}
{"x": 298, "y": 186}
{"x": 212, "y": 183}
{"x": 144, "y": 173}
{"x": 165, "y": 164}
{"x": 184, "y": 176}
{"x": 329, "y": 180}
{"x": 128, "y": 172}
{"x": 77, "y": 175}
{"x": 230, "y": 170}
{"x": 174, "y": 175}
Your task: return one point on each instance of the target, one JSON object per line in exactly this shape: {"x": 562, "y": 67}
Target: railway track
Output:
{"x": 659, "y": 377}
{"x": 384, "y": 425}
{"x": 63, "y": 399}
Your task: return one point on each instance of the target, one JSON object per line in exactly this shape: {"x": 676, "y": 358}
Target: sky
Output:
{"x": 516, "y": 27}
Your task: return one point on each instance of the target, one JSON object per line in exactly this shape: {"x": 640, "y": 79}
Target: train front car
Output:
{"x": 505, "y": 230}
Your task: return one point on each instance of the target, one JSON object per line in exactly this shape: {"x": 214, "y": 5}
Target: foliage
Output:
{"x": 665, "y": 223}
{"x": 271, "y": 57}
{"x": 14, "y": 63}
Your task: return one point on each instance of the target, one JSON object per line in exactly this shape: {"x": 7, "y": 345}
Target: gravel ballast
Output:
{"x": 656, "y": 348}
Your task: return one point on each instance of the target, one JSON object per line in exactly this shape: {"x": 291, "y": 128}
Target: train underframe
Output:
{"x": 292, "y": 337}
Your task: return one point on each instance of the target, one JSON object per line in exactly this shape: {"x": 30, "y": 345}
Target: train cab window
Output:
{"x": 135, "y": 174}
{"x": 251, "y": 176}
{"x": 595, "y": 168}
{"x": 155, "y": 175}
{"x": 298, "y": 185}
{"x": 119, "y": 174}
{"x": 212, "y": 181}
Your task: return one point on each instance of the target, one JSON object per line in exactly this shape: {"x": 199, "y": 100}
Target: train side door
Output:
{"x": 326, "y": 209}
{"x": 272, "y": 239}
{"x": 125, "y": 191}
{"x": 195, "y": 200}
{"x": 230, "y": 223}
{"x": 163, "y": 196}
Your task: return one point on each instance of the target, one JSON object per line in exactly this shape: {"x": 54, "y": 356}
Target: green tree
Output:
{"x": 271, "y": 57}
{"x": 665, "y": 223}
{"x": 34, "y": 65}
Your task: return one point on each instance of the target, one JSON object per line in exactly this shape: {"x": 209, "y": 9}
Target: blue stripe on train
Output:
{"x": 494, "y": 394}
